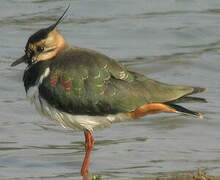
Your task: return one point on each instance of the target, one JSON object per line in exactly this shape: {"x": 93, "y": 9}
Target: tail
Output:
{"x": 155, "y": 108}
{"x": 182, "y": 110}
{"x": 170, "y": 106}
{"x": 187, "y": 99}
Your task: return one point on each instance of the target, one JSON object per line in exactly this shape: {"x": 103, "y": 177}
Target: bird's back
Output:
{"x": 82, "y": 81}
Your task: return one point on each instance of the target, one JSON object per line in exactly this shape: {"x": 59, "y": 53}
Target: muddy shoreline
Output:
{"x": 199, "y": 175}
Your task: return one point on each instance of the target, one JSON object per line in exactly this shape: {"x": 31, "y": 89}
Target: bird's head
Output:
{"x": 43, "y": 44}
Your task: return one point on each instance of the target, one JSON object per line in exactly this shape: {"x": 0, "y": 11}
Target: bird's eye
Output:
{"x": 40, "y": 49}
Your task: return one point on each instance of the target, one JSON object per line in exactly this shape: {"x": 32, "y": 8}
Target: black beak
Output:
{"x": 23, "y": 59}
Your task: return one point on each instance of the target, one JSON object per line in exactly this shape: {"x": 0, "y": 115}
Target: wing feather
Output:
{"x": 82, "y": 81}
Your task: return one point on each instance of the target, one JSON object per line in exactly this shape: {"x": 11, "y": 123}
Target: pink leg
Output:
{"x": 89, "y": 142}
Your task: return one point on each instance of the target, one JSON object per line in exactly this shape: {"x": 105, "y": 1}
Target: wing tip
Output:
{"x": 182, "y": 110}
{"x": 198, "y": 90}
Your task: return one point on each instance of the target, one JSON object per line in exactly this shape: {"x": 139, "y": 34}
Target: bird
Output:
{"x": 87, "y": 90}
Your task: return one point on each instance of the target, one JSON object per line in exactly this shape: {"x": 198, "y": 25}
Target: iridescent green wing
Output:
{"x": 159, "y": 92}
{"x": 82, "y": 81}
{"x": 85, "y": 82}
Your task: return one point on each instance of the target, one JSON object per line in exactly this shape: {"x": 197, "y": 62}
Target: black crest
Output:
{"x": 42, "y": 33}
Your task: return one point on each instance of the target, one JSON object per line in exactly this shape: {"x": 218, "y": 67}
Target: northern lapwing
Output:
{"x": 84, "y": 89}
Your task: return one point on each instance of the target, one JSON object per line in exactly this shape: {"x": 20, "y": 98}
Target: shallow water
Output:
{"x": 175, "y": 41}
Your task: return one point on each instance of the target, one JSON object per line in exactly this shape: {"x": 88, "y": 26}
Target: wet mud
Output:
{"x": 199, "y": 175}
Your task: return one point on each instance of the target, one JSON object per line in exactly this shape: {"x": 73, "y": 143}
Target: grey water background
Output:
{"x": 174, "y": 41}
